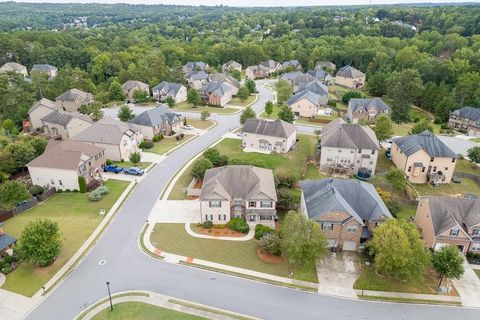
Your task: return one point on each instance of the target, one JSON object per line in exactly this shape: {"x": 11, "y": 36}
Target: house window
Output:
{"x": 454, "y": 231}
{"x": 327, "y": 226}
{"x": 252, "y": 204}
{"x": 423, "y": 169}
{"x": 434, "y": 169}
{"x": 476, "y": 232}
{"x": 209, "y": 217}
{"x": 329, "y": 159}
{"x": 60, "y": 182}
{"x": 431, "y": 159}
{"x": 222, "y": 217}
{"x": 373, "y": 151}
{"x": 475, "y": 247}
{"x": 215, "y": 204}
{"x": 339, "y": 151}
{"x": 352, "y": 229}
{"x": 52, "y": 182}
{"x": 359, "y": 150}
{"x": 409, "y": 168}
{"x": 265, "y": 204}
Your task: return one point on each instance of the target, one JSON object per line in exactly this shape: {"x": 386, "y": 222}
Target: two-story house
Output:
{"x": 216, "y": 93}
{"x": 466, "y": 119}
{"x": 447, "y": 220}
{"x": 165, "y": 89}
{"x": 366, "y": 109}
{"x": 305, "y": 104}
{"x": 350, "y": 77}
{"x": 424, "y": 158}
{"x": 40, "y": 109}
{"x": 195, "y": 66}
{"x": 347, "y": 210}
{"x": 48, "y": 69}
{"x": 297, "y": 79}
{"x": 64, "y": 125}
{"x": 348, "y": 147}
{"x": 265, "y": 136}
{"x": 291, "y": 65}
{"x": 63, "y": 162}
{"x": 238, "y": 191}
{"x": 230, "y": 81}
{"x": 131, "y": 86}
{"x": 157, "y": 121}
{"x": 231, "y": 65}
{"x": 257, "y": 72}
{"x": 196, "y": 79}
{"x": 72, "y": 99}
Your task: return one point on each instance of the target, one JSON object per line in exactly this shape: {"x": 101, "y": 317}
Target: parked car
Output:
{"x": 134, "y": 170}
{"x": 112, "y": 168}
{"x": 188, "y": 127}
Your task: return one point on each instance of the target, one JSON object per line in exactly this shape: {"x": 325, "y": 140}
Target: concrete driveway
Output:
{"x": 337, "y": 273}
{"x": 175, "y": 211}
{"x": 468, "y": 287}
{"x": 458, "y": 145}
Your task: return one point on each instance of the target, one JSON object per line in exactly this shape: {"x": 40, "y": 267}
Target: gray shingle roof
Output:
{"x": 325, "y": 64}
{"x": 6, "y": 241}
{"x": 197, "y": 75}
{"x": 218, "y": 88}
{"x": 195, "y": 65}
{"x": 293, "y": 63}
{"x": 304, "y": 94}
{"x": 358, "y": 198}
{"x": 63, "y": 118}
{"x": 277, "y": 128}
{"x": 339, "y": 134}
{"x": 318, "y": 74}
{"x": 471, "y": 113}
{"x": 13, "y": 66}
{"x": 231, "y": 64}
{"x": 350, "y": 72}
{"x": 448, "y": 212}
{"x": 107, "y": 130}
{"x": 76, "y": 95}
{"x": 44, "y": 102}
{"x": 426, "y": 141}
{"x": 44, "y": 67}
{"x": 168, "y": 87}
{"x": 223, "y": 77}
{"x": 315, "y": 86}
{"x": 155, "y": 116}
{"x": 134, "y": 85}
{"x": 271, "y": 64}
{"x": 297, "y": 77}
{"x": 231, "y": 182}
{"x": 356, "y": 104}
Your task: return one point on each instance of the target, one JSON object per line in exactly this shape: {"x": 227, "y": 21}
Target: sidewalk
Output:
{"x": 248, "y": 236}
{"x": 402, "y": 295}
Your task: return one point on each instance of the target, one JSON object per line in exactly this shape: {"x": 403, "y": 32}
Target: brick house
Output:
{"x": 350, "y": 77}
{"x": 216, "y": 93}
{"x": 466, "y": 119}
{"x": 366, "y": 109}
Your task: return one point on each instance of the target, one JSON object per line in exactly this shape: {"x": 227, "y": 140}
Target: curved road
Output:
{"x": 127, "y": 268}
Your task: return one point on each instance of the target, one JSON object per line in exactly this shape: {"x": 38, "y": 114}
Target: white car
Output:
{"x": 188, "y": 127}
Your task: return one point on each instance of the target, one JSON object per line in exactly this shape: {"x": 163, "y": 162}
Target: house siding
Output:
{"x": 252, "y": 141}
{"x": 350, "y": 157}
{"x": 305, "y": 108}
{"x": 352, "y": 83}
{"x": 37, "y": 115}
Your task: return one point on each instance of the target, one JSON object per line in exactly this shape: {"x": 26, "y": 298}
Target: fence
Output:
{"x": 25, "y": 206}
{"x": 46, "y": 194}
{"x": 474, "y": 177}
{"x": 7, "y": 214}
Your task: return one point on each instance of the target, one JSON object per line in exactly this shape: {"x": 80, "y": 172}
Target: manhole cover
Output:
{"x": 102, "y": 262}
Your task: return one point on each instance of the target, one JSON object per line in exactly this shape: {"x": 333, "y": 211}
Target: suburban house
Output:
{"x": 157, "y": 121}
{"x": 350, "y": 77}
{"x": 366, "y": 109}
{"x": 63, "y": 162}
{"x": 230, "y": 81}
{"x": 466, "y": 119}
{"x": 169, "y": 89}
{"x": 196, "y": 79}
{"x": 130, "y": 86}
{"x": 64, "y": 125}
{"x": 447, "y": 220}
{"x": 305, "y": 104}
{"x": 317, "y": 87}
{"x": 263, "y": 135}
{"x": 48, "y": 69}
{"x": 39, "y": 110}
{"x": 119, "y": 139}
{"x": 424, "y": 158}
{"x": 292, "y": 65}
{"x": 347, "y": 210}
{"x": 73, "y": 99}
{"x": 195, "y": 66}
{"x": 257, "y": 72}
{"x": 322, "y": 76}
{"x": 271, "y": 65}
{"x": 238, "y": 191}
{"x": 325, "y": 65}
{"x": 231, "y": 65}
{"x": 14, "y": 67}
{"x": 216, "y": 93}
{"x": 346, "y": 148}
{"x": 297, "y": 79}
{"x": 6, "y": 242}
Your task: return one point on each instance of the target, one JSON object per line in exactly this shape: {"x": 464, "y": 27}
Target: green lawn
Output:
{"x": 466, "y": 166}
{"x": 142, "y": 311}
{"x": 77, "y": 218}
{"x": 185, "y": 106}
{"x": 452, "y": 189}
{"x": 168, "y": 143}
{"x": 313, "y": 172}
{"x": 128, "y": 164}
{"x": 273, "y": 116}
{"x": 476, "y": 140}
{"x": 407, "y": 211}
{"x": 199, "y": 124}
{"x": 180, "y": 187}
{"x": 173, "y": 238}
{"x": 477, "y": 271}
{"x": 242, "y": 103}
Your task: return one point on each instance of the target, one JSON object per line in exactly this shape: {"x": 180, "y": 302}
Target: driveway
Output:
{"x": 12, "y": 305}
{"x": 175, "y": 211}
{"x": 458, "y": 145}
{"x": 468, "y": 287}
{"x": 337, "y": 273}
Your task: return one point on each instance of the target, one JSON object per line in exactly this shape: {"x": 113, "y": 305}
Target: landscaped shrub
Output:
{"x": 261, "y": 230}
{"x": 67, "y": 190}
{"x": 35, "y": 190}
{"x": 59, "y": 190}
{"x": 182, "y": 135}
{"x": 103, "y": 190}
{"x": 285, "y": 181}
{"x": 109, "y": 162}
{"x": 95, "y": 195}
{"x": 82, "y": 184}
{"x": 157, "y": 138}
{"x": 470, "y": 255}
{"x": 238, "y": 224}
{"x": 271, "y": 243}
{"x": 146, "y": 144}
{"x": 207, "y": 224}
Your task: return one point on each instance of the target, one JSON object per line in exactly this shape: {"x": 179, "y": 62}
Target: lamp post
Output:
{"x": 109, "y": 295}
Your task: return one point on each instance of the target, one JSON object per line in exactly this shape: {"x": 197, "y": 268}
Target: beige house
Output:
{"x": 297, "y": 79}
{"x": 119, "y": 139}
{"x": 72, "y": 99}
{"x": 216, "y": 94}
{"x": 231, "y": 65}
{"x": 238, "y": 191}
{"x": 267, "y": 136}
{"x": 40, "y": 109}
{"x": 366, "y": 109}
{"x": 130, "y": 86}
{"x": 256, "y": 72}
{"x": 230, "y": 81}
{"x": 14, "y": 67}
{"x": 347, "y": 210}
{"x": 49, "y": 70}
{"x": 63, "y": 162}
{"x": 347, "y": 148}
{"x": 305, "y": 104}
{"x": 196, "y": 79}
{"x": 466, "y": 119}
{"x": 157, "y": 121}
{"x": 424, "y": 158}
{"x": 168, "y": 89}
{"x": 64, "y": 125}
{"x": 449, "y": 221}
{"x": 325, "y": 65}
{"x": 195, "y": 66}
{"x": 350, "y": 77}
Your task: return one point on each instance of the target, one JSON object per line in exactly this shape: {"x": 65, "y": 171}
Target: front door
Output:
{"x": 251, "y": 218}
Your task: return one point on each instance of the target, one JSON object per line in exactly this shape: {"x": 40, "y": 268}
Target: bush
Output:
{"x": 238, "y": 224}
{"x": 470, "y": 255}
{"x": 157, "y": 138}
{"x": 59, "y": 190}
{"x": 82, "y": 184}
{"x": 146, "y": 144}
{"x": 332, "y": 103}
{"x": 35, "y": 190}
{"x": 182, "y": 135}
{"x": 95, "y": 195}
{"x": 75, "y": 190}
{"x": 261, "y": 230}
{"x": 271, "y": 243}
{"x": 103, "y": 190}
{"x": 109, "y": 162}
{"x": 207, "y": 224}
{"x": 285, "y": 181}
{"x": 67, "y": 190}
{"x": 6, "y": 270}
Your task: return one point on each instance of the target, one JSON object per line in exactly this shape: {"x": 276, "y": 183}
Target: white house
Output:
{"x": 263, "y": 135}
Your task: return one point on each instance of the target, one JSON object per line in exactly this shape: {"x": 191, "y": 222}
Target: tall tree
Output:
{"x": 448, "y": 262}
{"x": 115, "y": 91}
{"x": 404, "y": 88}
{"x": 247, "y": 113}
{"x": 286, "y": 114}
{"x": 383, "y": 128}
{"x": 284, "y": 91}
{"x": 125, "y": 113}
{"x": 421, "y": 126}
{"x": 193, "y": 97}
{"x": 243, "y": 93}
{"x": 40, "y": 242}
{"x": 251, "y": 86}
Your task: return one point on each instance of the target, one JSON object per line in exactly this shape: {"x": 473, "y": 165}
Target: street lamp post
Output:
{"x": 109, "y": 295}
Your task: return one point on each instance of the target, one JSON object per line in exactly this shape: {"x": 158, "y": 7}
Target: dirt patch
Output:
{"x": 217, "y": 232}
{"x": 198, "y": 184}
{"x": 269, "y": 258}
{"x": 192, "y": 197}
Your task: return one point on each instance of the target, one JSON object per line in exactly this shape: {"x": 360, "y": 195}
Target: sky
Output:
{"x": 254, "y": 3}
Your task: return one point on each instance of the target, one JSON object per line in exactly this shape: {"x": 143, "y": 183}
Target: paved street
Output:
{"x": 127, "y": 268}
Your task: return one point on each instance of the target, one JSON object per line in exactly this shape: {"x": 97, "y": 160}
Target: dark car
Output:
{"x": 134, "y": 170}
{"x": 112, "y": 168}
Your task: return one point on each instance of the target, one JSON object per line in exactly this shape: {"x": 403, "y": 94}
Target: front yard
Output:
{"x": 188, "y": 107}
{"x": 242, "y": 103}
{"x": 173, "y": 238}
{"x": 77, "y": 218}
{"x": 168, "y": 143}
{"x": 199, "y": 124}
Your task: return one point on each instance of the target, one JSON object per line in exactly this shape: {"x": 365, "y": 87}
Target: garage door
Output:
{"x": 439, "y": 246}
{"x": 349, "y": 246}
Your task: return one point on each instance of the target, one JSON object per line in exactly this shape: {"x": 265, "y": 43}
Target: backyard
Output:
{"x": 173, "y": 238}
{"x": 168, "y": 143}
{"x": 77, "y": 218}
{"x": 188, "y": 107}
{"x": 142, "y": 311}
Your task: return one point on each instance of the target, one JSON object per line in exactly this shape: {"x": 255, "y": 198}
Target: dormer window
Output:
{"x": 431, "y": 159}
{"x": 454, "y": 231}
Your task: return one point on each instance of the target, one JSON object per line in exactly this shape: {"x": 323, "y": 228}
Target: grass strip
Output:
{"x": 408, "y": 300}
{"x": 203, "y": 308}
{"x": 114, "y": 296}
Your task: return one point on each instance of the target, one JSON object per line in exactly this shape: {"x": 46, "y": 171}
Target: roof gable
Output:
{"x": 427, "y": 141}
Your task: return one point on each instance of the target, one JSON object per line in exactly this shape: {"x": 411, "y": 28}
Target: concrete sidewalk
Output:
{"x": 402, "y": 295}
